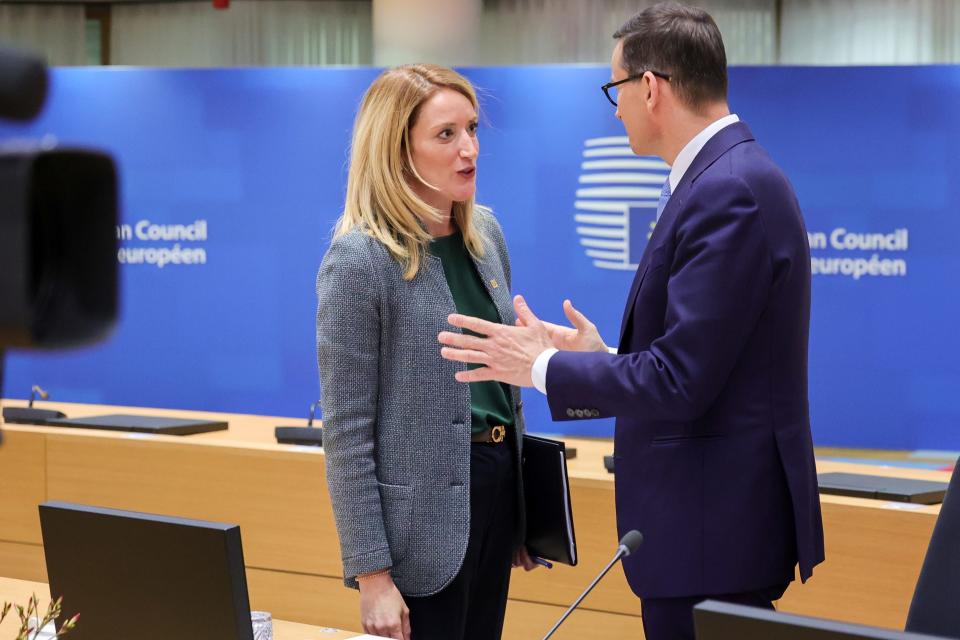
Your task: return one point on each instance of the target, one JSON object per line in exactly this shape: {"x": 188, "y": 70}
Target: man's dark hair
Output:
{"x": 681, "y": 42}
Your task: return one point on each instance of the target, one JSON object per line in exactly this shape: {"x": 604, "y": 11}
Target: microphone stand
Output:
{"x": 621, "y": 551}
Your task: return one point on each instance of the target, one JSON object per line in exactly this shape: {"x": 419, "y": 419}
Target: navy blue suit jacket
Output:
{"x": 714, "y": 458}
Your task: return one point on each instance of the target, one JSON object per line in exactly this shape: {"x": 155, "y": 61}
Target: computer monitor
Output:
{"x": 137, "y": 576}
{"x": 724, "y": 621}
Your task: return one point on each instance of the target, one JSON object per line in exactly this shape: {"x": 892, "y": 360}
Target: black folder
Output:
{"x": 141, "y": 424}
{"x": 860, "y": 485}
{"x": 546, "y": 491}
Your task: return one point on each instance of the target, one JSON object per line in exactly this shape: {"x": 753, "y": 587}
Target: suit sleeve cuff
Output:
{"x": 539, "y": 372}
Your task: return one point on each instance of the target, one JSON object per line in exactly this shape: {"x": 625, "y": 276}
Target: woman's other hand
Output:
{"x": 382, "y": 609}
{"x": 521, "y": 558}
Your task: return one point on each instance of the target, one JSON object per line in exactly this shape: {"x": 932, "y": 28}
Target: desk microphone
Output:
{"x": 309, "y": 435}
{"x": 29, "y": 414}
{"x": 35, "y": 391}
{"x": 629, "y": 543}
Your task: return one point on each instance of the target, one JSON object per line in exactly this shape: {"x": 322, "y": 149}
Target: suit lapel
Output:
{"x": 491, "y": 274}
{"x": 493, "y": 281}
{"x": 716, "y": 147}
{"x": 432, "y": 271}
{"x": 724, "y": 140}
{"x": 634, "y": 290}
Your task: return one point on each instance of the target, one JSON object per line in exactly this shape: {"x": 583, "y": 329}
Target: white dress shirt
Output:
{"x": 680, "y": 165}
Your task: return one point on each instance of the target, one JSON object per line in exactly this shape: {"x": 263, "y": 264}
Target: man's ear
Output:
{"x": 653, "y": 90}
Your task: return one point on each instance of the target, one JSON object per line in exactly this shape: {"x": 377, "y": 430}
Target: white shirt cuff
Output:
{"x": 612, "y": 350}
{"x": 539, "y": 372}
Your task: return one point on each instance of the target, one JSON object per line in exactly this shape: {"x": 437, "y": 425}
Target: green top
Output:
{"x": 490, "y": 403}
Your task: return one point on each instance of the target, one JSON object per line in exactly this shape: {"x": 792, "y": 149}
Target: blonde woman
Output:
{"x": 423, "y": 471}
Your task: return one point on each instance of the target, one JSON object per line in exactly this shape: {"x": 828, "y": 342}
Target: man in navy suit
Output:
{"x": 708, "y": 384}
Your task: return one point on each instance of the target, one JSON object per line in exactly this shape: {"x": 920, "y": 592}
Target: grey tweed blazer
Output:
{"x": 396, "y": 424}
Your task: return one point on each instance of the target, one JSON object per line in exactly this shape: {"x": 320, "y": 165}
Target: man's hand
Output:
{"x": 582, "y": 337}
{"x": 505, "y": 353}
{"x": 382, "y": 609}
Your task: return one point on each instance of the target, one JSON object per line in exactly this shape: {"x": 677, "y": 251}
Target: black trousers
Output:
{"x": 672, "y": 618}
{"x": 472, "y": 606}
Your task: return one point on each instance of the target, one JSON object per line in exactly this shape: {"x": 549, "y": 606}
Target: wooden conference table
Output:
{"x": 277, "y": 494}
{"x": 19, "y": 591}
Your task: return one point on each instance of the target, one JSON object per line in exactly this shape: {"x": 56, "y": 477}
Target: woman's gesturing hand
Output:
{"x": 382, "y": 609}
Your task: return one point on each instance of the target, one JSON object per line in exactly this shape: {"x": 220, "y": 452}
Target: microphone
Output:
{"x": 23, "y": 84}
{"x": 309, "y": 435}
{"x": 29, "y": 414}
{"x": 35, "y": 390}
{"x": 629, "y": 543}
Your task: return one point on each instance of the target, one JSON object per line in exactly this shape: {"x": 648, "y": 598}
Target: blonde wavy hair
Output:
{"x": 379, "y": 198}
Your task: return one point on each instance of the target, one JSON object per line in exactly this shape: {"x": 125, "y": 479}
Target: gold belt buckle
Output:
{"x": 498, "y": 433}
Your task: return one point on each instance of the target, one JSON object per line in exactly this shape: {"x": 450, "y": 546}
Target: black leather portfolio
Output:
{"x": 142, "y": 424}
{"x": 546, "y": 491}
{"x": 859, "y": 485}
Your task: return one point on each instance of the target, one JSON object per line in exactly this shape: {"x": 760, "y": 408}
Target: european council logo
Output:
{"x": 616, "y": 202}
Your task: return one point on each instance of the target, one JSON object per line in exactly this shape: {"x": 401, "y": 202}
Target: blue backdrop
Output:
{"x": 232, "y": 179}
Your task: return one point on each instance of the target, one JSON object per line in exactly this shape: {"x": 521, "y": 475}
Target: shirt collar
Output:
{"x": 690, "y": 151}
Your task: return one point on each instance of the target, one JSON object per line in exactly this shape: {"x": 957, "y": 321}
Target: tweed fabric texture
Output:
{"x": 396, "y": 422}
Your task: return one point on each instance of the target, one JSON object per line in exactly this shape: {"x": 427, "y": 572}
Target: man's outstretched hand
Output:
{"x": 583, "y": 336}
{"x": 504, "y": 353}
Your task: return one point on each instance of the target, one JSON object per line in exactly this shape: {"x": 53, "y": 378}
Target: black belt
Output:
{"x": 494, "y": 435}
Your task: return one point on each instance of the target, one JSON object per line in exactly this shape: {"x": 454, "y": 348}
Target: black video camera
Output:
{"x": 58, "y": 220}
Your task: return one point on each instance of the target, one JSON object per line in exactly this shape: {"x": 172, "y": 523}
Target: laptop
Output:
{"x": 149, "y": 577}
{"x": 860, "y": 485}
{"x": 141, "y": 424}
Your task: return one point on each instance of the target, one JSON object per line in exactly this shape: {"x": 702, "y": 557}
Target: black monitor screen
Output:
{"x": 722, "y": 621}
{"x": 135, "y": 575}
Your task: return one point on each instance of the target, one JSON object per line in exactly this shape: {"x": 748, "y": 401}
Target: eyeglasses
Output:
{"x": 610, "y": 89}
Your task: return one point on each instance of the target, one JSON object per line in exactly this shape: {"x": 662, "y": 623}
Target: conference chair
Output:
{"x": 935, "y": 608}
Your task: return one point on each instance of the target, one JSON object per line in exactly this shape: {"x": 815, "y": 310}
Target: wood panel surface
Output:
{"x": 874, "y": 557}
{"x": 23, "y": 560}
{"x": 312, "y": 599}
{"x": 19, "y": 591}
{"x": 526, "y": 620}
{"x": 278, "y": 497}
{"x": 277, "y": 493}
{"x": 22, "y": 485}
